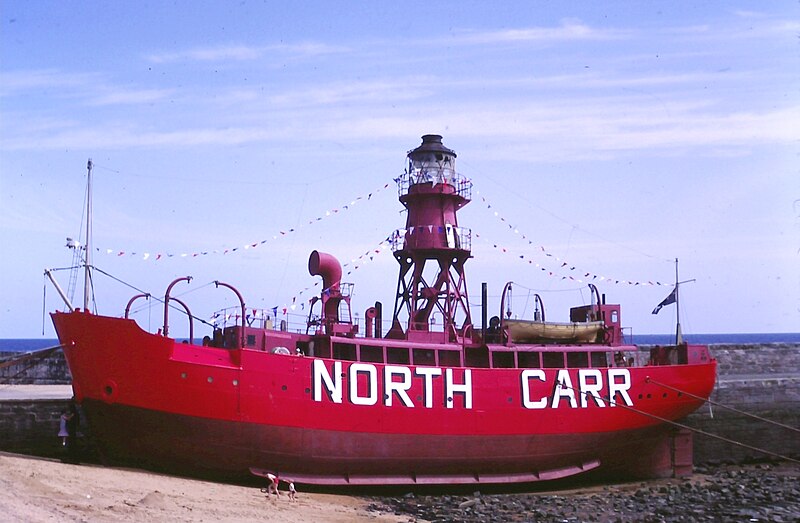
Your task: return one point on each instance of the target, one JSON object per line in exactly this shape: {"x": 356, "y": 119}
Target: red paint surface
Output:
{"x": 204, "y": 409}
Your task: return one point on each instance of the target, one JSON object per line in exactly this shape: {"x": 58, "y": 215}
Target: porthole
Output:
{"x": 210, "y": 379}
{"x": 110, "y": 391}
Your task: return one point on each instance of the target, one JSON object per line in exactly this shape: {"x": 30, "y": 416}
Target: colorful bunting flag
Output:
{"x": 253, "y": 245}
{"x": 563, "y": 264}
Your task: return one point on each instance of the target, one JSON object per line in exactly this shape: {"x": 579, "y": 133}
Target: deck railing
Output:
{"x": 443, "y": 175}
{"x": 453, "y": 237}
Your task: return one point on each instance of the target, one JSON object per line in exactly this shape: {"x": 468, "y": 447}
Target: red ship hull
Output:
{"x": 224, "y": 412}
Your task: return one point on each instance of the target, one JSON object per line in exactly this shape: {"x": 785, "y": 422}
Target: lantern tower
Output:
{"x": 432, "y": 249}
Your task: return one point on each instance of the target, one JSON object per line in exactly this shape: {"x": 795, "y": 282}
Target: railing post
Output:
{"x": 130, "y": 302}
{"x": 166, "y": 302}
{"x": 241, "y": 302}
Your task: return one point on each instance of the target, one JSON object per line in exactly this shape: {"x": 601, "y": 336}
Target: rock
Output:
{"x": 468, "y": 503}
{"x": 738, "y": 493}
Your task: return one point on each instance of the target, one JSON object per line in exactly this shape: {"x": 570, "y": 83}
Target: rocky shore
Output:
{"x": 761, "y": 492}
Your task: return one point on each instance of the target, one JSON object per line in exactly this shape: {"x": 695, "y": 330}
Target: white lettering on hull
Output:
{"x": 397, "y": 387}
{"x": 564, "y": 389}
{"x": 622, "y": 387}
{"x": 333, "y": 384}
{"x": 590, "y": 389}
{"x": 451, "y": 388}
{"x": 428, "y": 373}
{"x": 371, "y": 373}
{"x": 526, "y": 389}
{"x": 365, "y": 385}
{"x": 590, "y": 385}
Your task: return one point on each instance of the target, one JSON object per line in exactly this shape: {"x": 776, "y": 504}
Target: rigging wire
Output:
{"x": 717, "y": 404}
{"x": 280, "y": 233}
{"x": 520, "y": 195}
{"x": 614, "y": 403}
{"x": 160, "y": 300}
{"x": 44, "y": 302}
{"x": 226, "y": 181}
{"x": 149, "y": 305}
{"x": 34, "y": 356}
{"x": 561, "y": 265}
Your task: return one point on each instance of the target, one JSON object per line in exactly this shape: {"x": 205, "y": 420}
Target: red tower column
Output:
{"x": 432, "y": 249}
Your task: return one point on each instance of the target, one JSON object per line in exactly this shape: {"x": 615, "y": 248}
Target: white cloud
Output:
{"x": 100, "y": 136}
{"x": 93, "y": 88}
{"x": 14, "y": 82}
{"x": 568, "y": 30}
{"x": 125, "y": 97}
{"x": 531, "y": 130}
{"x": 242, "y": 53}
{"x": 206, "y": 54}
{"x": 382, "y": 91}
{"x": 743, "y": 13}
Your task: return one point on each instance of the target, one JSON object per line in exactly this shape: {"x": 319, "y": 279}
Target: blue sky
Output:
{"x": 613, "y": 136}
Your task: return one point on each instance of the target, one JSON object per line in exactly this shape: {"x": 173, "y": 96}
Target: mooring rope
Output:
{"x": 717, "y": 404}
{"x": 16, "y": 360}
{"x": 683, "y": 426}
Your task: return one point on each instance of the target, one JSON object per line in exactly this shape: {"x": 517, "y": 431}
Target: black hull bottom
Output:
{"x": 233, "y": 450}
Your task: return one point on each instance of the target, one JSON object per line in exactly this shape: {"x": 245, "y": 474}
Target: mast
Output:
{"x": 87, "y": 276}
{"x": 678, "y": 335}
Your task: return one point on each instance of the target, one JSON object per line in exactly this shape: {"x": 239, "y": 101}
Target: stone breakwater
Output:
{"x": 48, "y": 370}
{"x": 31, "y": 426}
{"x": 761, "y": 380}
{"x": 763, "y": 492}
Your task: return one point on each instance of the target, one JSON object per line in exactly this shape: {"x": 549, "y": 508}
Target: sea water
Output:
{"x": 31, "y": 344}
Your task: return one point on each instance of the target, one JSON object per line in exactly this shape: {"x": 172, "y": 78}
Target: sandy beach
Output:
{"x": 39, "y": 489}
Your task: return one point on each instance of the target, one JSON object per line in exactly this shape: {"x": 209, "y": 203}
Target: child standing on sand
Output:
{"x": 292, "y": 491}
{"x": 63, "y": 433}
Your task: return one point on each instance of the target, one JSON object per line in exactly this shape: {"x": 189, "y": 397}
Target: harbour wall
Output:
{"x": 761, "y": 380}
{"x": 31, "y": 427}
{"x": 48, "y": 370}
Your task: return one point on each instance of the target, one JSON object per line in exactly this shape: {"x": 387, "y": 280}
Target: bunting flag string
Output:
{"x": 157, "y": 256}
{"x": 561, "y": 266}
{"x": 353, "y": 265}
{"x": 234, "y": 314}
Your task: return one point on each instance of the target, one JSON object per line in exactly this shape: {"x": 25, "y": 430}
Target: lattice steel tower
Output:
{"x": 432, "y": 249}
